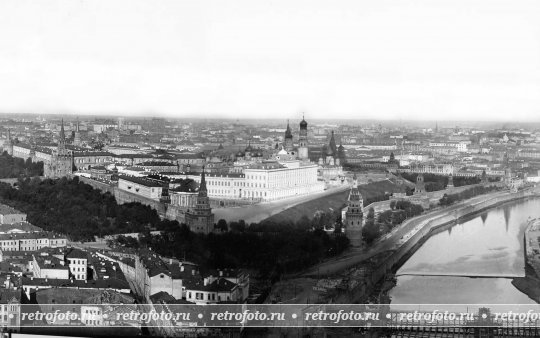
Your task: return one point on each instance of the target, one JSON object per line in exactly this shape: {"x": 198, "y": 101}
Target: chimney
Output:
{"x": 220, "y": 273}
{"x": 181, "y": 268}
{"x": 170, "y": 261}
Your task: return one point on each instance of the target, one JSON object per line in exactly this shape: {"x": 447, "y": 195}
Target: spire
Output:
{"x": 62, "y": 132}
{"x": 333, "y": 144}
{"x": 62, "y": 140}
{"x": 354, "y": 194}
{"x": 288, "y": 133}
{"x": 77, "y": 129}
{"x": 202, "y": 186}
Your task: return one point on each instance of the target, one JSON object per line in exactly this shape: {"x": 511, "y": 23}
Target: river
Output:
{"x": 473, "y": 262}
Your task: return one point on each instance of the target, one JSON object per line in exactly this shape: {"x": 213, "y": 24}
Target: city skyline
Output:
{"x": 368, "y": 60}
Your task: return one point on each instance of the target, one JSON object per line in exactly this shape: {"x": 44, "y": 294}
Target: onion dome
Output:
{"x": 303, "y": 123}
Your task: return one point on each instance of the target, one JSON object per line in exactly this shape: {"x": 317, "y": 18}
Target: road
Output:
{"x": 258, "y": 212}
{"x": 388, "y": 242}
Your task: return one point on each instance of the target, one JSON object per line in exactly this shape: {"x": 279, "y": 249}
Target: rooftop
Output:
{"x": 141, "y": 181}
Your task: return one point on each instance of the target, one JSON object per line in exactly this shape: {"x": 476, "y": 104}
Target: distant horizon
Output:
{"x": 384, "y": 60}
{"x": 441, "y": 123}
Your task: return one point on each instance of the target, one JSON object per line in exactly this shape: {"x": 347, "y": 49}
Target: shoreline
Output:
{"x": 530, "y": 284}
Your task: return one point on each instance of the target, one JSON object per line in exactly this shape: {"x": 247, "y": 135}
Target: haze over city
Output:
{"x": 462, "y": 60}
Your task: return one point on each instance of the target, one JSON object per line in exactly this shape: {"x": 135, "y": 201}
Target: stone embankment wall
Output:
{"x": 430, "y": 225}
{"x": 532, "y": 245}
{"x": 123, "y": 197}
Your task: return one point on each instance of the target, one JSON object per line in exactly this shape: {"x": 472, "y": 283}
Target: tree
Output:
{"x": 239, "y": 226}
{"x": 222, "y": 225}
{"x": 371, "y": 214}
{"x": 370, "y": 231}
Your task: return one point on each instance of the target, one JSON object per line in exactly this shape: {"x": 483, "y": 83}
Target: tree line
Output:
{"x": 449, "y": 199}
{"x": 81, "y": 212}
{"x": 435, "y": 182}
{"x": 78, "y": 210}
{"x": 14, "y": 167}
{"x": 400, "y": 210}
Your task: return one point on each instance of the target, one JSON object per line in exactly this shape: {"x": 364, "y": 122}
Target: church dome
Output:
{"x": 282, "y": 152}
{"x": 303, "y": 124}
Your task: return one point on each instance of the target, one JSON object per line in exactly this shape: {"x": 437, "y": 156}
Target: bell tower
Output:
{"x": 303, "y": 153}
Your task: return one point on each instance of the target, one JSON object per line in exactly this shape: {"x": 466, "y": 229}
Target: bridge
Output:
{"x": 467, "y": 275}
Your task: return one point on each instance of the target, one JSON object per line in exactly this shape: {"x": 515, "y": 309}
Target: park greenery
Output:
{"x": 78, "y": 210}
{"x": 271, "y": 253}
{"x": 449, "y": 199}
{"x": 13, "y": 167}
{"x": 400, "y": 210}
{"x": 81, "y": 212}
{"x": 435, "y": 182}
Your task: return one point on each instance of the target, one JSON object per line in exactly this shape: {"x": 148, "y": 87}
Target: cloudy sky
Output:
{"x": 455, "y": 59}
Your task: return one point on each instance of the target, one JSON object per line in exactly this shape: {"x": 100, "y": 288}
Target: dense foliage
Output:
{"x": 448, "y": 199}
{"x": 399, "y": 211}
{"x": 78, "y": 210}
{"x": 389, "y": 219}
{"x": 272, "y": 253}
{"x": 13, "y": 167}
{"x": 81, "y": 212}
{"x": 439, "y": 182}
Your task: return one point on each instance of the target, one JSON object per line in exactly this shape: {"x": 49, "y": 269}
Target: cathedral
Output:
{"x": 287, "y": 149}
{"x": 331, "y": 160}
{"x": 61, "y": 163}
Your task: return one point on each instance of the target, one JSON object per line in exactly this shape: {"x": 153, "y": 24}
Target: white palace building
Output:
{"x": 265, "y": 181}
{"x": 288, "y": 173}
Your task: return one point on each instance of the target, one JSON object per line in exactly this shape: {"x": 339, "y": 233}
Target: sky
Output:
{"x": 403, "y": 59}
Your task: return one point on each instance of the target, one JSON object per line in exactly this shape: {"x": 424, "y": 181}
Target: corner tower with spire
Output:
{"x": 354, "y": 215}
{"x": 201, "y": 219}
{"x": 61, "y": 163}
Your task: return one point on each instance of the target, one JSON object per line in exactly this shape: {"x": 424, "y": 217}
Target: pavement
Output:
{"x": 390, "y": 241}
{"x": 258, "y": 212}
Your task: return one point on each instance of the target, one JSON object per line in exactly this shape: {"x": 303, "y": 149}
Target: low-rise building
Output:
{"x": 140, "y": 186}
{"x": 9, "y": 215}
{"x": 31, "y": 241}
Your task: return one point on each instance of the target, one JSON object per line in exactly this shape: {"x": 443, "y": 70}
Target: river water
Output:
{"x": 488, "y": 245}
